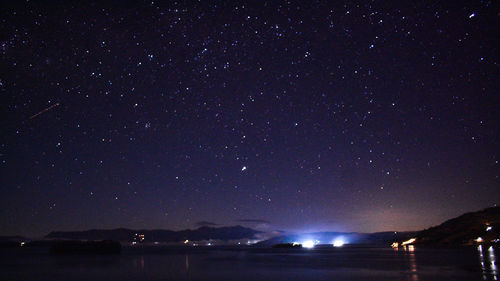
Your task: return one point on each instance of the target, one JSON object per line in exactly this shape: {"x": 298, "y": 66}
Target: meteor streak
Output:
{"x": 45, "y": 110}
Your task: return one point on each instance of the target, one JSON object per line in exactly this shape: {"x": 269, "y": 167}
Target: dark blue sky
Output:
{"x": 365, "y": 116}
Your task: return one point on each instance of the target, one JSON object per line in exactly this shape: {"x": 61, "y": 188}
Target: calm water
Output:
{"x": 255, "y": 264}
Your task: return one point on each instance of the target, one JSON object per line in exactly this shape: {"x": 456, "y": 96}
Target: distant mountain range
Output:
{"x": 130, "y": 235}
{"x": 470, "y": 228}
{"x": 482, "y": 226}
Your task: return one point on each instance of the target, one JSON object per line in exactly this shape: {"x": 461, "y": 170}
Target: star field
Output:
{"x": 366, "y": 116}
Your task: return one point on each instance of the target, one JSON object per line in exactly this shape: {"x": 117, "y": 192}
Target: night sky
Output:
{"x": 274, "y": 115}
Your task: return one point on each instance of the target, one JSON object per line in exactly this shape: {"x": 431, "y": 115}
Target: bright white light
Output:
{"x": 489, "y": 228}
{"x": 308, "y": 244}
{"x": 409, "y": 241}
{"x": 243, "y": 168}
{"x": 338, "y": 243}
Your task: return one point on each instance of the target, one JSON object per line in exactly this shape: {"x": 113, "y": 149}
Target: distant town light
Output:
{"x": 338, "y": 243}
{"x": 187, "y": 241}
{"x": 489, "y": 228}
{"x": 395, "y": 245}
{"x": 479, "y": 240}
{"x": 407, "y": 242}
{"x": 308, "y": 244}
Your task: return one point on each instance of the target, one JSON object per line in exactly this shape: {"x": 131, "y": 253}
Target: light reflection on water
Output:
{"x": 410, "y": 251}
{"x": 408, "y": 263}
{"x": 138, "y": 263}
{"x": 413, "y": 263}
{"x": 187, "y": 268}
{"x": 488, "y": 265}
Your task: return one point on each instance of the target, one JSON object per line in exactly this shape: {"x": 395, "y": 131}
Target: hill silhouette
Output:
{"x": 464, "y": 229}
{"x": 159, "y": 235}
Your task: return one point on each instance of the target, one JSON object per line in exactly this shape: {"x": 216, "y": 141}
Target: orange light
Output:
{"x": 407, "y": 242}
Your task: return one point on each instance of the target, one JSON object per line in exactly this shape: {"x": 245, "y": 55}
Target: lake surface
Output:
{"x": 207, "y": 263}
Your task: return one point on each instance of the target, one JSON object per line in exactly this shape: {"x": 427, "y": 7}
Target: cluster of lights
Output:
{"x": 409, "y": 242}
{"x": 481, "y": 239}
{"x": 139, "y": 237}
{"x": 309, "y": 244}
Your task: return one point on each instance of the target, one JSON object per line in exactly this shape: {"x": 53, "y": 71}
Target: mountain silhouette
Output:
{"x": 159, "y": 235}
{"x": 465, "y": 229}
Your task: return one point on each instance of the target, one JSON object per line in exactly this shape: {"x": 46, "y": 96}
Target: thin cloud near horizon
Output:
{"x": 206, "y": 223}
{"x": 253, "y": 220}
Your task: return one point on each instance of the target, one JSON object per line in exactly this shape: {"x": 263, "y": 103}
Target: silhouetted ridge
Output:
{"x": 464, "y": 229}
{"x": 159, "y": 235}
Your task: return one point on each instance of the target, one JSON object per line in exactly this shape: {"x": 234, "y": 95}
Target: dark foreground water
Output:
{"x": 160, "y": 263}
